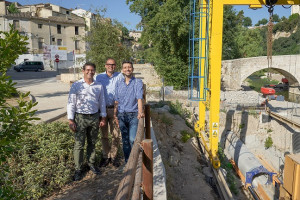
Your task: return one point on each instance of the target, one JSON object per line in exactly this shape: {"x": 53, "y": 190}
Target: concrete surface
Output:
{"x": 159, "y": 172}
{"x": 50, "y": 93}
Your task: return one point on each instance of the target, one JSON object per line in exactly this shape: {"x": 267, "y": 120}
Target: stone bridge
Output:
{"x": 234, "y": 72}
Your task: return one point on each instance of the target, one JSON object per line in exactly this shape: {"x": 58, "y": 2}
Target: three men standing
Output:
{"x": 113, "y": 96}
{"x": 108, "y": 79}
{"x": 86, "y": 99}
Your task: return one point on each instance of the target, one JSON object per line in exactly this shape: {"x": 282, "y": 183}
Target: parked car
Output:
{"x": 29, "y": 65}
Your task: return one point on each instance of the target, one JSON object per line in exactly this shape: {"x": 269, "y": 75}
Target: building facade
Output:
{"x": 295, "y": 9}
{"x": 45, "y": 24}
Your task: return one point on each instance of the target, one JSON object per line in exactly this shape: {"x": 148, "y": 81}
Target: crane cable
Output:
{"x": 270, "y": 39}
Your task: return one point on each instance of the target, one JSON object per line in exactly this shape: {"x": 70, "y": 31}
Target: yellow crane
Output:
{"x": 205, "y": 64}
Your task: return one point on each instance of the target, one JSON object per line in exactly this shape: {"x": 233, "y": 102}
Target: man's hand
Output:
{"x": 102, "y": 122}
{"x": 72, "y": 125}
{"x": 141, "y": 115}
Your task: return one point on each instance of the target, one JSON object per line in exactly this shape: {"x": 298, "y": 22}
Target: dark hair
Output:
{"x": 129, "y": 62}
{"x": 89, "y": 64}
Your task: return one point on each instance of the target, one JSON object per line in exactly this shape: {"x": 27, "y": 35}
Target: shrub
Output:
{"x": 44, "y": 162}
{"x": 177, "y": 109}
{"x": 268, "y": 142}
{"x": 185, "y": 136}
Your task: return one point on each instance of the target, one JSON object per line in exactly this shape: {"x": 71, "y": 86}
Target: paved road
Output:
{"x": 50, "y": 93}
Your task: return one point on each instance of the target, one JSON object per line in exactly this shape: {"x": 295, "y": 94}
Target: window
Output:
{"x": 76, "y": 44}
{"x": 40, "y": 25}
{"x": 76, "y": 30}
{"x": 40, "y": 43}
{"x": 67, "y": 12}
{"x": 59, "y": 42}
{"x": 53, "y": 39}
{"x": 58, "y": 29}
{"x": 16, "y": 24}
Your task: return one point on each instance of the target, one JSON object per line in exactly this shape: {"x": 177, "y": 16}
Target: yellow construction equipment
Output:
{"x": 208, "y": 59}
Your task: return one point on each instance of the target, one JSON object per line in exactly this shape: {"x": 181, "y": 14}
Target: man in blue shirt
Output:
{"x": 128, "y": 106}
{"x": 108, "y": 79}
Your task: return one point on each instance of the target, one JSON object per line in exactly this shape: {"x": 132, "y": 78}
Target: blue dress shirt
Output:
{"x": 127, "y": 95}
{"x": 109, "y": 83}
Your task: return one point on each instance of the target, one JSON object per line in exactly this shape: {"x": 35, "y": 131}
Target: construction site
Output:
{"x": 256, "y": 134}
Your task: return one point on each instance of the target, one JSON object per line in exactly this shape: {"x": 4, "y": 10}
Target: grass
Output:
{"x": 269, "y": 142}
{"x": 230, "y": 178}
{"x": 166, "y": 120}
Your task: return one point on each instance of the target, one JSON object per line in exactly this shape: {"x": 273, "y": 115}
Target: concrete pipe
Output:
{"x": 252, "y": 169}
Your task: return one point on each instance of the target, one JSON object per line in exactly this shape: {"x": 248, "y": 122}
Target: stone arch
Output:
{"x": 234, "y": 72}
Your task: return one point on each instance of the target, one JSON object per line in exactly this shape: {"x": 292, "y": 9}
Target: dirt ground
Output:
{"x": 185, "y": 180}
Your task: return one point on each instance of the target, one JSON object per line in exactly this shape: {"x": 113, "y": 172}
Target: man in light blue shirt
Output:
{"x": 108, "y": 79}
{"x": 128, "y": 106}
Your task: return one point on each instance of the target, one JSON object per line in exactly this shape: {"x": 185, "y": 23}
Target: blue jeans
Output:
{"x": 128, "y": 123}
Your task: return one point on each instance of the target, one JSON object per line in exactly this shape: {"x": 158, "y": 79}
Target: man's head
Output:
{"x": 110, "y": 65}
{"x": 127, "y": 68}
{"x": 88, "y": 70}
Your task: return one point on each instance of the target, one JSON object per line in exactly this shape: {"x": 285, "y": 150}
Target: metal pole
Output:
{"x": 147, "y": 122}
{"x": 57, "y": 68}
{"x": 148, "y": 169}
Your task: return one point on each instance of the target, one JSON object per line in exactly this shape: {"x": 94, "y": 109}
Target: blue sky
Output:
{"x": 118, "y": 9}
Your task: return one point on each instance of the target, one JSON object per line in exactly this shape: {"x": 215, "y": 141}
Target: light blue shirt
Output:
{"x": 127, "y": 95}
{"x": 86, "y": 99}
{"x": 109, "y": 84}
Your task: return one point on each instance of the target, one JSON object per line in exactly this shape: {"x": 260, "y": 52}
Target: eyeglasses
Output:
{"x": 111, "y": 64}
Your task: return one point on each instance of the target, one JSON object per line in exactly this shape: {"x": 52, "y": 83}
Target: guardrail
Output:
{"x": 138, "y": 180}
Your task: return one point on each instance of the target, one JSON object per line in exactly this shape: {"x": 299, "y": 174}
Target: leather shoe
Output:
{"x": 104, "y": 162}
{"x": 94, "y": 169}
{"x": 77, "y": 175}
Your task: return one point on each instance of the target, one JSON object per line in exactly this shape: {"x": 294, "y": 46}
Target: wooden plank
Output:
{"x": 126, "y": 184}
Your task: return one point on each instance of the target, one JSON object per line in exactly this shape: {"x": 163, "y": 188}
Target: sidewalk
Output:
{"x": 52, "y": 97}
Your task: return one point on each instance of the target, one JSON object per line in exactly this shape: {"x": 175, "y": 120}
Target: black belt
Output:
{"x": 112, "y": 106}
{"x": 88, "y": 115}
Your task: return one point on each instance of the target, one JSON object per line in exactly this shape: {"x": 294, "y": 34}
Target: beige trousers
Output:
{"x": 110, "y": 150}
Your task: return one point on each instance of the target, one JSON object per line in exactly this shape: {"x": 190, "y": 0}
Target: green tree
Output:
{"x": 165, "y": 26}
{"x": 105, "y": 40}
{"x": 276, "y": 18}
{"x": 12, "y": 8}
{"x": 14, "y": 121}
{"x": 263, "y": 21}
{"x": 247, "y": 22}
{"x": 231, "y": 25}
{"x": 249, "y": 42}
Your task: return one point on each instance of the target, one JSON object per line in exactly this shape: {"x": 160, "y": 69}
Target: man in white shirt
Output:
{"x": 108, "y": 79}
{"x": 86, "y": 98}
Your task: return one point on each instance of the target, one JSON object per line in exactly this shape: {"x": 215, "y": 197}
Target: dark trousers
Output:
{"x": 87, "y": 126}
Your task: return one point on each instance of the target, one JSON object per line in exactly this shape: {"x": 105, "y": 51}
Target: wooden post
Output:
{"x": 147, "y": 122}
{"x": 148, "y": 169}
